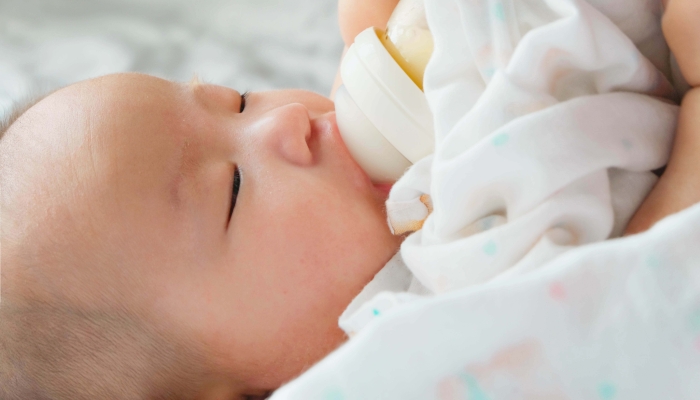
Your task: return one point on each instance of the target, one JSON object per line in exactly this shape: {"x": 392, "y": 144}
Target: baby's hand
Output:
{"x": 679, "y": 187}
{"x": 354, "y": 16}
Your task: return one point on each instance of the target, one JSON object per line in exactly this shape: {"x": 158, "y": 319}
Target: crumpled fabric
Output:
{"x": 549, "y": 117}
{"x": 615, "y": 320}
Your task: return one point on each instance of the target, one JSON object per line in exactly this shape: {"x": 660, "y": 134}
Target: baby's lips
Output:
{"x": 383, "y": 189}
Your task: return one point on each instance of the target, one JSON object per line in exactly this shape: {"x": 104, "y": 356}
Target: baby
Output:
{"x": 166, "y": 240}
{"x": 154, "y": 233}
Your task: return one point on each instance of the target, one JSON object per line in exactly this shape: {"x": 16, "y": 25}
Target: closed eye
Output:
{"x": 234, "y": 191}
{"x": 244, "y": 97}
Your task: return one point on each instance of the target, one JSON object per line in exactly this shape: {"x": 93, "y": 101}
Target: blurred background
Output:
{"x": 244, "y": 44}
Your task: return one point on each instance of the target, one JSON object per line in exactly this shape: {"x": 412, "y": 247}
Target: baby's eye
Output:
{"x": 244, "y": 96}
{"x": 234, "y": 192}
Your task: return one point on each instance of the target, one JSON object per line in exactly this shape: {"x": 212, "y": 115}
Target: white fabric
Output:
{"x": 551, "y": 143}
{"x": 610, "y": 321}
{"x": 546, "y": 135}
{"x": 374, "y": 299}
{"x": 549, "y": 118}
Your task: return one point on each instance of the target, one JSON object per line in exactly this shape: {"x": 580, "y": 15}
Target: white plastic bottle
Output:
{"x": 382, "y": 112}
{"x": 408, "y": 39}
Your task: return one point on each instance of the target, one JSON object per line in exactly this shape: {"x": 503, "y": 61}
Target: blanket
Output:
{"x": 550, "y": 116}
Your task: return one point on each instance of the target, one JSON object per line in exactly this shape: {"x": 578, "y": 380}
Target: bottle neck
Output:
{"x": 408, "y": 39}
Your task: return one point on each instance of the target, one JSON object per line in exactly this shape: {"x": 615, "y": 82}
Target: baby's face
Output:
{"x": 134, "y": 176}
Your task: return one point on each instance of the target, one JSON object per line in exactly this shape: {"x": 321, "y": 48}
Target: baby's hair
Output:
{"x": 56, "y": 351}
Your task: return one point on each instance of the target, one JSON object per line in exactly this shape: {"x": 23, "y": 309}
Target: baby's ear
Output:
{"x": 682, "y": 33}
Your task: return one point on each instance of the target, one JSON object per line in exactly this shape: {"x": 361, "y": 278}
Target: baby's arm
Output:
{"x": 682, "y": 31}
{"x": 679, "y": 187}
{"x": 354, "y": 16}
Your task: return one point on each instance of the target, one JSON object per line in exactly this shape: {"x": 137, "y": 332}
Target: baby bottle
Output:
{"x": 381, "y": 110}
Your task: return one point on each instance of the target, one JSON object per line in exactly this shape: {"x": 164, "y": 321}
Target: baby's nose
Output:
{"x": 286, "y": 131}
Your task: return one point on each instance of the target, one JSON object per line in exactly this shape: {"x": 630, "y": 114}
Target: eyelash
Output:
{"x": 244, "y": 97}
{"x": 236, "y": 172}
{"x": 234, "y": 192}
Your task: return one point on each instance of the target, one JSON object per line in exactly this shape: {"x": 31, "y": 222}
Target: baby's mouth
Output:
{"x": 383, "y": 189}
{"x": 380, "y": 190}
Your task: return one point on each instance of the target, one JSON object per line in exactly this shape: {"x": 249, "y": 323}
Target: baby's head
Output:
{"x": 135, "y": 261}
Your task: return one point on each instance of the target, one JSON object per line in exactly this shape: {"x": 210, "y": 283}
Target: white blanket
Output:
{"x": 550, "y": 115}
{"x": 547, "y": 133}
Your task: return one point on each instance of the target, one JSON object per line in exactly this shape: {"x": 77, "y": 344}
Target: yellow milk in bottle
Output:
{"x": 408, "y": 39}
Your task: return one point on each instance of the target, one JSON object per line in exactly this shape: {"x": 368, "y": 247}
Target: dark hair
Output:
{"x": 52, "y": 351}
